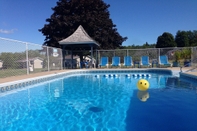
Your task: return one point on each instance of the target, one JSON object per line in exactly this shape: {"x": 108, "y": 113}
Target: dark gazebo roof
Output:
{"x": 79, "y": 38}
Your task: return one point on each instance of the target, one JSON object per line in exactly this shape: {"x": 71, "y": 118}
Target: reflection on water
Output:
{"x": 56, "y": 93}
{"x": 172, "y": 106}
{"x": 143, "y": 95}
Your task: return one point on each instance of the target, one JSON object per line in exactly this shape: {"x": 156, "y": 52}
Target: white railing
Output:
{"x": 19, "y": 58}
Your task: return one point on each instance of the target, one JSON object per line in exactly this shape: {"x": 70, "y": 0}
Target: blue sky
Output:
{"x": 140, "y": 20}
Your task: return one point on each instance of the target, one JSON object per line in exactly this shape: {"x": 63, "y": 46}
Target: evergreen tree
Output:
{"x": 192, "y": 36}
{"x": 93, "y": 15}
{"x": 165, "y": 40}
{"x": 182, "y": 39}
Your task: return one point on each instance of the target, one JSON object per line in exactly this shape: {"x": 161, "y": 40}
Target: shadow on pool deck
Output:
{"x": 15, "y": 78}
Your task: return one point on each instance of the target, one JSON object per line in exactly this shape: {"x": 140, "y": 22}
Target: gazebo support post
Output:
{"x": 91, "y": 55}
{"x": 72, "y": 58}
{"x": 63, "y": 54}
{"x": 81, "y": 60}
{"x": 97, "y": 53}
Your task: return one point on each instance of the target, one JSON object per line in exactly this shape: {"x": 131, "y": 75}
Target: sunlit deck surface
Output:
{"x": 21, "y": 77}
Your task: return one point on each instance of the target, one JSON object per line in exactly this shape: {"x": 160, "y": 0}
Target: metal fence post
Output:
{"x": 48, "y": 58}
{"x": 27, "y": 58}
{"x": 127, "y": 52}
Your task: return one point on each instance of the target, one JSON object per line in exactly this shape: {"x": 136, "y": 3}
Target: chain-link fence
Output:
{"x": 19, "y": 58}
{"x": 179, "y": 57}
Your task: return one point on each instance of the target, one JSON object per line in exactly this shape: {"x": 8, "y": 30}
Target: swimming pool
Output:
{"x": 86, "y": 101}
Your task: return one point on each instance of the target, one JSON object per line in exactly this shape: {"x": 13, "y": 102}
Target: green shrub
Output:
{"x": 178, "y": 55}
{"x": 186, "y": 54}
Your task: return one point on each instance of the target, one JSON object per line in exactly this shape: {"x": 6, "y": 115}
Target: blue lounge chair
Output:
{"x": 104, "y": 62}
{"x": 115, "y": 61}
{"x": 128, "y": 61}
{"x": 163, "y": 60}
{"x": 145, "y": 61}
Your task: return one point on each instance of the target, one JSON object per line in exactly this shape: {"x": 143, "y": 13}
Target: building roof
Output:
{"x": 79, "y": 37}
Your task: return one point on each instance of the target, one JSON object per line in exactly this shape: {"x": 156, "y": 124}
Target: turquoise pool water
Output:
{"x": 98, "y": 103}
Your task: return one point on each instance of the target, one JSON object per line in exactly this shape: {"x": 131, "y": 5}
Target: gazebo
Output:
{"x": 79, "y": 41}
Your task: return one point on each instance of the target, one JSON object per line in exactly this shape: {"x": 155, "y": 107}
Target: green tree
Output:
{"x": 182, "y": 39}
{"x": 93, "y": 15}
{"x": 9, "y": 60}
{"x": 192, "y": 36}
{"x": 146, "y": 45}
{"x": 165, "y": 40}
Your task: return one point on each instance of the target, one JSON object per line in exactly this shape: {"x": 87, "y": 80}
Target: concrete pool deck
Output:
{"x": 21, "y": 77}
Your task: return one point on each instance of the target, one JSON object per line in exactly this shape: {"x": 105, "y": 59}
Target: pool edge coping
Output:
{"x": 8, "y": 86}
{"x": 187, "y": 76}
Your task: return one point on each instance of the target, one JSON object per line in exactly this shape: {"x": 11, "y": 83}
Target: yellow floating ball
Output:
{"x": 143, "y": 85}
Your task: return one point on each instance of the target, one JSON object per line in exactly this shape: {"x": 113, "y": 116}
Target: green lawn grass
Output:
{"x": 16, "y": 72}
{"x": 12, "y": 72}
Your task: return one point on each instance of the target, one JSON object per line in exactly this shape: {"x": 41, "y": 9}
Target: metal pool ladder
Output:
{"x": 187, "y": 65}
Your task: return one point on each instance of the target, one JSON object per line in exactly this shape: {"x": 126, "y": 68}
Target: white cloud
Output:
{"x": 7, "y": 31}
